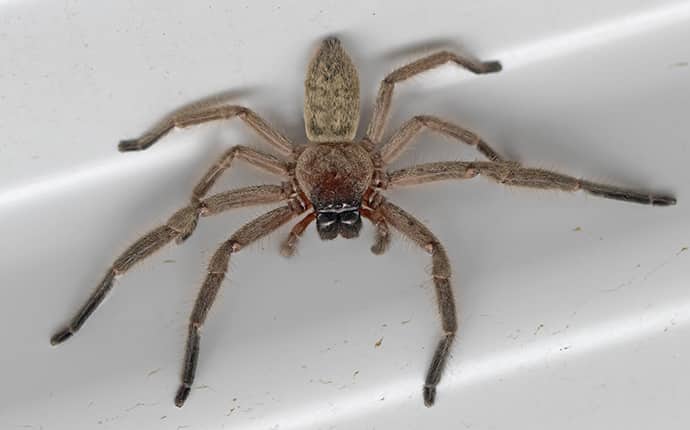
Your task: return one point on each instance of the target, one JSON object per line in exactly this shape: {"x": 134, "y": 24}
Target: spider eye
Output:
{"x": 326, "y": 219}
{"x": 350, "y": 224}
{"x": 349, "y": 217}
{"x": 327, "y": 225}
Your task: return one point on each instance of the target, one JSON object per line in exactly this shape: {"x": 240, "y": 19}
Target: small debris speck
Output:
{"x": 153, "y": 372}
{"x": 378, "y": 343}
{"x": 138, "y": 405}
{"x": 405, "y": 322}
{"x": 168, "y": 261}
{"x": 131, "y": 408}
{"x": 539, "y": 327}
{"x": 578, "y": 228}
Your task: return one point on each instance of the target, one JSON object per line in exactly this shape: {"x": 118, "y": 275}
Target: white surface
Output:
{"x": 559, "y": 328}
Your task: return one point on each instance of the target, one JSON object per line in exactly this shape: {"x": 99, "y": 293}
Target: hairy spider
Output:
{"x": 335, "y": 181}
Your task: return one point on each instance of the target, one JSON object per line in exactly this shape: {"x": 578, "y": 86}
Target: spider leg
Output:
{"x": 217, "y": 268}
{"x": 382, "y": 239}
{"x": 187, "y": 118}
{"x": 394, "y": 147}
{"x": 262, "y": 160}
{"x": 440, "y": 270}
{"x": 511, "y": 173}
{"x": 383, "y": 99}
{"x": 287, "y": 248}
{"x": 180, "y": 224}
{"x": 431, "y": 172}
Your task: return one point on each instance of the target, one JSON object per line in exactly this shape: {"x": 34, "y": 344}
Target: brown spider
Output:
{"x": 335, "y": 181}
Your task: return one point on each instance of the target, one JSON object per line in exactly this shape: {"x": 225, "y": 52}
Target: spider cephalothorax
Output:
{"x": 335, "y": 176}
{"x": 334, "y": 180}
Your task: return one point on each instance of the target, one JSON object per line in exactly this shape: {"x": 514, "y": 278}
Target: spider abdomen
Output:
{"x": 331, "y": 95}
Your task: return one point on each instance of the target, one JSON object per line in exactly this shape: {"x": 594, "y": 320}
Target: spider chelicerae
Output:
{"x": 333, "y": 180}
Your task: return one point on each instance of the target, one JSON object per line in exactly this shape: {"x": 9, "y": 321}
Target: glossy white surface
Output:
{"x": 574, "y": 310}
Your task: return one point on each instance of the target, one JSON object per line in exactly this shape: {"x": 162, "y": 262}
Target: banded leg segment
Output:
{"x": 179, "y": 225}
{"x": 242, "y": 197}
{"x": 431, "y": 172}
{"x": 217, "y": 269}
{"x": 394, "y": 147}
{"x": 512, "y": 173}
{"x": 189, "y": 118}
{"x": 262, "y": 160}
{"x": 441, "y": 272}
{"x": 383, "y": 100}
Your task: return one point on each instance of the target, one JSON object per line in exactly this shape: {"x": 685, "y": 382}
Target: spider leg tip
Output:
{"x": 129, "y": 145}
{"x": 429, "y": 396}
{"x": 663, "y": 201}
{"x": 378, "y": 249}
{"x": 181, "y": 396}
{"x": 287, "y": 251}
{"x": 61, "y": 336}
{"x": 492, "y": 66}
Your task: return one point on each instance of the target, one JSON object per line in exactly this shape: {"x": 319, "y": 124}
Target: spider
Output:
{"x": 333, "y": 180}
